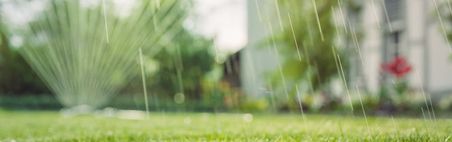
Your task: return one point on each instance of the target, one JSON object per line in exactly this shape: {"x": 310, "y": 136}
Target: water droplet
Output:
{"x": 187, "y": 121}
{"x": 248, "y": 118}
{"x": 179, "y": 98}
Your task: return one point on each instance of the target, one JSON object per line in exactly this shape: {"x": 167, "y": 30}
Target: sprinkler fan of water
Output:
{"x": 85, "y": 51}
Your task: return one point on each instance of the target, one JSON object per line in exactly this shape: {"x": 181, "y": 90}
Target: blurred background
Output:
{"x": 380, "y": 56}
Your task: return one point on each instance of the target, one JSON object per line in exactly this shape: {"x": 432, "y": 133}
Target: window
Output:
{"x": 394, "y": 35}
{"x": 394, "y": 9}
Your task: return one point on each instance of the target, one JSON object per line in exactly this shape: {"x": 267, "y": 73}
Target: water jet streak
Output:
{"x": 441, "y": 22}
{"x": 88, "y": 52}
{"x": 104, "y": 7}
{"x": 143, "y": 77}
{"x": 362, "y": 109}
{"x": 374, "y": 11}
{"x": 318, "y": 20}
{"x": 294, "y": 36}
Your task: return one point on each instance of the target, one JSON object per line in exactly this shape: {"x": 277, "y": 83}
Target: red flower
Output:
{"x": 398, "y": 67}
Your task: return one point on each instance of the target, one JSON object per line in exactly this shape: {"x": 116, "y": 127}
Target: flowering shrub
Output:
{"x": 399, "y": 68}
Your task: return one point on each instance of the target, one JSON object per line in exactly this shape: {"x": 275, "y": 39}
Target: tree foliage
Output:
{"x": 307, "y": 43}
{"x": 182, "y": 66}
{"x": 16, "y": 77}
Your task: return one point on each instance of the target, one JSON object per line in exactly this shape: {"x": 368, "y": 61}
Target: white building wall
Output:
{"x": 440, "y": 66}
{"x": 258, "y": 61}
{"x": 371, "y": 44}
{"x": 422, "y": 43}
{"x": 414, "y": 49}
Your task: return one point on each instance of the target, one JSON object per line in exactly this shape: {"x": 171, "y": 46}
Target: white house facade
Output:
{"x": 388, "y": 28}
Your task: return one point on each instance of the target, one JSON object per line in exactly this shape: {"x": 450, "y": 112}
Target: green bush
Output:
{"x": 16, "y": 76}
{"x": 260, "y": 105}
{"x": 29, "y": 102}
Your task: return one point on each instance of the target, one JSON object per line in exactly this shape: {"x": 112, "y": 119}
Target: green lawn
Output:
{"x": 50, "y": 126}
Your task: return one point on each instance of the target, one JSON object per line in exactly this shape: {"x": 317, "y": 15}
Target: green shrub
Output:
{"x": 260, "y": 105}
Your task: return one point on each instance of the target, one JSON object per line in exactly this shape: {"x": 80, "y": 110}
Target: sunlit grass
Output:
{"x": 50, "y": 126}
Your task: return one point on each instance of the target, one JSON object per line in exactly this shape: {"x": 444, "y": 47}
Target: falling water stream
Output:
{"x": 88, "y": 50}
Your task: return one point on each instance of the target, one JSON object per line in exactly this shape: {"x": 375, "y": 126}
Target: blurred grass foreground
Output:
{"x": 50, "y": 126}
